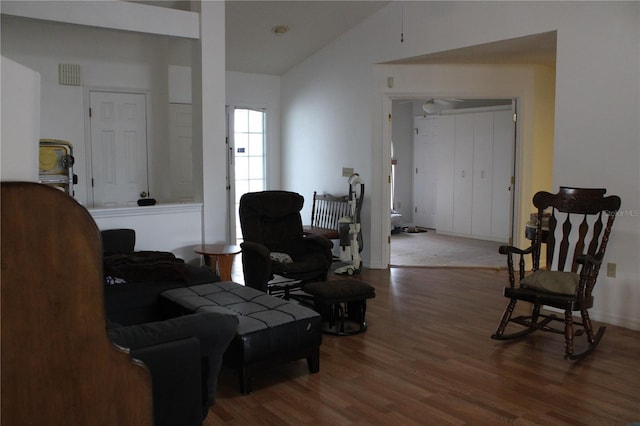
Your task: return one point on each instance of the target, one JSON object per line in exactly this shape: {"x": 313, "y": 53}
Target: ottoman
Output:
{"x": 270, "y": 329}
{"x": 342, "y": 303}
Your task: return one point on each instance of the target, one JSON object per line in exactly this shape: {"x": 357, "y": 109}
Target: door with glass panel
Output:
{"x": 246, "y": 160}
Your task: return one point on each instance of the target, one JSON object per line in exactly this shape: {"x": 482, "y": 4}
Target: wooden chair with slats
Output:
{"x": 326, "y": 211}
{"x": 580, "y": 224}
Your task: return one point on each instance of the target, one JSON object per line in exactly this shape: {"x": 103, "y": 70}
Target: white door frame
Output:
{"x": 87, "y": 130}
{"x": 386, "y": 108}
{"x": 231, "y": 188}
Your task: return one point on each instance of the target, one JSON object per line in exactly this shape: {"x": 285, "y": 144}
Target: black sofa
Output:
{"x": 184, "y": 355}
{"x": 135, "y": 279}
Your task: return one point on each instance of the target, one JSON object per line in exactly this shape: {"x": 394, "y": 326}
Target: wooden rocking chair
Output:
{"x": 580, "y": 223}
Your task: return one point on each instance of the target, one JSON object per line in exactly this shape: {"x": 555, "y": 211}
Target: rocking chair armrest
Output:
{"x": 514, "y": 250}
{"x": 587, "y": 259}
{"x": 510, "y": 251}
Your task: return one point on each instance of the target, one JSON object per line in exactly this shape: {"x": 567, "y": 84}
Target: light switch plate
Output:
{"x": 347, "y": 171}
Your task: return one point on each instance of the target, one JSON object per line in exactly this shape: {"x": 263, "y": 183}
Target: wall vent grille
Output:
{"x": 69, "y": 74}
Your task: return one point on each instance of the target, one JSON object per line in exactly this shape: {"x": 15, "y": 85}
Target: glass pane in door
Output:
{"x": 249, "y": 156}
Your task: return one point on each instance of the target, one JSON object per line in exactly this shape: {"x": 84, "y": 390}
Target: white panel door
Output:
{"x": 425, "y": 172}
{"x": 482, "y": 174}
{"x": 118, "y": 148}
{"x": 463, "y": 174}
{"x": 445, "y": 135}
{"x": 181, "y": 161}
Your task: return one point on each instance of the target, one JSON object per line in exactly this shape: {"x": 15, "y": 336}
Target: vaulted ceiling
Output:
{"x": 253, "y": 45}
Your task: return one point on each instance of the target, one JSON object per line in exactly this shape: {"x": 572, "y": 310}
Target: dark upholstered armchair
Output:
{"x": 274, "y": 242}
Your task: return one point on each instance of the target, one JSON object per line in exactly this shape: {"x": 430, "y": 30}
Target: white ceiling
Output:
{"x": 252, "y": 47}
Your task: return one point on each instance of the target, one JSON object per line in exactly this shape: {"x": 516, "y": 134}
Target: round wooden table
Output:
{"x": 219, "y": 257}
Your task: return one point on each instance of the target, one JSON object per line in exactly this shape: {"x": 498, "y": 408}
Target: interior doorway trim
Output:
{"x": 383, "y": 236}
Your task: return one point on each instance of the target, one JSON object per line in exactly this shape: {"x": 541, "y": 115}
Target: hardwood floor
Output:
{"x": 427, "y": 359}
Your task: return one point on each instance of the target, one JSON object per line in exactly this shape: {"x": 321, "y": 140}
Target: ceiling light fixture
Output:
{"x": 430, "y": 107}
{"x": 280, "y": 29}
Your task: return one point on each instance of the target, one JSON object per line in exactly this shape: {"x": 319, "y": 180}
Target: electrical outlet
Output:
{"x": 611, "y": 270}
{"x": 347, "y": 171}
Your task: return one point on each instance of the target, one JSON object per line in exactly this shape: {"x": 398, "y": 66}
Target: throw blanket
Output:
{"x": 141, "y": 266}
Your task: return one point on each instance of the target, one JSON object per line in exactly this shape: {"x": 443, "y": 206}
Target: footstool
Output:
{"x": 270, "y": 329}
{"x": 342, "y": 303}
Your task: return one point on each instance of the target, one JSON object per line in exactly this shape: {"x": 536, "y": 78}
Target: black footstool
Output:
{"x": 270, "y": 329}
{"x": 342, "y": 304}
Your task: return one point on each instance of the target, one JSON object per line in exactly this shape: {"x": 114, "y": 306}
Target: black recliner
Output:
{"x": 274, "y": 242}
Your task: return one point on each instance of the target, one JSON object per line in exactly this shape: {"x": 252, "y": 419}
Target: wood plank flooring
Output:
{"x": 427, "y": 359}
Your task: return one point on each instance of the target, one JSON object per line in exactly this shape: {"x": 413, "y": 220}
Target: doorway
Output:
{"x": 118, "y": 146}
{"x": 246, "y": 160}
{"x": 457, "y": 207}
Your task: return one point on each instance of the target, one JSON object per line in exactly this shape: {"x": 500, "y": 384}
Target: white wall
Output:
{"x": 209, "y": 121}
{"x": 180, "y": 225}
{"x": 131, "y": 60}
{"x": 108, "y": 60}
{"x": 20, "y": 122}
{"x": 332, "y": 109}
{"x": 121, "y": 15}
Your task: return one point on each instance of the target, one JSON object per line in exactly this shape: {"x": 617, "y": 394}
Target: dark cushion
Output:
{"x": 273, "y": 204}
{"x": 272, "y": 218}
{"x": 137, "y": 302}
{"x": 118, "y": 240}
{"x": 211, "y": 329}
{"x": 556, "y": 282}
{"x": 339, "y": 291}
{"x": 214, "y": 332}
{"x": 176, "y": 373}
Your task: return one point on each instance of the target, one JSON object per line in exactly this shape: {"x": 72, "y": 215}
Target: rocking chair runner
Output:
{"x": 579, "y": 229}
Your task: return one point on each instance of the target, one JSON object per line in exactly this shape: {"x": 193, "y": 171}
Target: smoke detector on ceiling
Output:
{"x": 280, "y": 29}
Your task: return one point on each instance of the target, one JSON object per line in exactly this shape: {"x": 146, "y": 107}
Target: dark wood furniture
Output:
{"x": 58, "y": 366}
{"x": 326, "y": 211}
{"x": 579, "y": 227}
{"x": 219, "y": 257}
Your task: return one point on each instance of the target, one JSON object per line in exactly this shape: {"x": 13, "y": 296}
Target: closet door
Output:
{"x": 425, "y": 172}
{"x": 445, "y": 137}
{"x": 463, "y": 174}
{"x": 482, "y": 174}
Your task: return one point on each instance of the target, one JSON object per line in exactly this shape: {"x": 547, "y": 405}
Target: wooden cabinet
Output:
{"x": 474, "y": 163}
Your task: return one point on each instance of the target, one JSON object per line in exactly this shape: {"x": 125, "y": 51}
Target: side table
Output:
{"x": 218, "y": 257}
